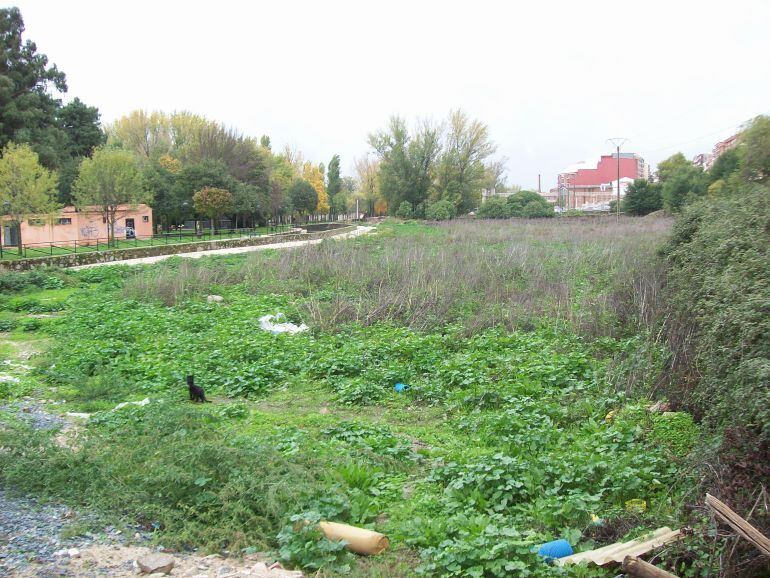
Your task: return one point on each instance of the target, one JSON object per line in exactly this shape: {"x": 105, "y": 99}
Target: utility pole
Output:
{"x": 617, "y": 142}
{"x": 538, "y": 184}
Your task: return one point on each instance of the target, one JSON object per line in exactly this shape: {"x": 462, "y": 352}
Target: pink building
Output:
{"x": 83, "y": 227}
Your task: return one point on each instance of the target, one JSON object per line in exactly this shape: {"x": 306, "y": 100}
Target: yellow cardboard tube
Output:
{"x": 359, "y": 540}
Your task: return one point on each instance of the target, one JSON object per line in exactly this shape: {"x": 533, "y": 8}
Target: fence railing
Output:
{"x": 31, "y": 250}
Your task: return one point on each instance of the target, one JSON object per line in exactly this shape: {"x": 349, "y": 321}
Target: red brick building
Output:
{"x": 594, "y": 184}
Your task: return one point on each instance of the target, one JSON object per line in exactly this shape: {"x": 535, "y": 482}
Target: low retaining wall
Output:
{"x": 117, "y": 255}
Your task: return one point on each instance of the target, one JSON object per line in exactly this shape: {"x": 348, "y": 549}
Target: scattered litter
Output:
{"x": 78, "y": 415}
{"x": 400, "y": 387}
{"x": 659, "y": 407}
{"x": 70, "y": 552}
{"x": 555, "y": 549}
{"x": 636, "y": 567}
{"x": 142, "y": 403}
{"x": 275, "y": 325}
{"x": 636, "y": 506}
{"x": 358, "y": 540}
{"x": 8, "y": 378}
{"x": 618, "y": 551}
{"x": 215, "y": 299}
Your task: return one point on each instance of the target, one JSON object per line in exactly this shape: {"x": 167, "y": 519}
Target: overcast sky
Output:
{"x": 552, "y": 79}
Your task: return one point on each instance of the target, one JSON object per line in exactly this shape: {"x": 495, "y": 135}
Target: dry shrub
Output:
{"x": 595, "y": 274}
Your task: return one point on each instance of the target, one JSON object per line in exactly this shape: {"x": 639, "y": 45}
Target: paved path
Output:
{"x": 360, "y": 230}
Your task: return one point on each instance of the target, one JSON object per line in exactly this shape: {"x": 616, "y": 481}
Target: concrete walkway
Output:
{"x": 360, "y": 230}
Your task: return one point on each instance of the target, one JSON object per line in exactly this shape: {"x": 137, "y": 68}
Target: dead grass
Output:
{"x": 596, "y": 274}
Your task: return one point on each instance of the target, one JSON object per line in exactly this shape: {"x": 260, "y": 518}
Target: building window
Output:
{"x": 64, "y": 221}
{"x": 145, "y": 218}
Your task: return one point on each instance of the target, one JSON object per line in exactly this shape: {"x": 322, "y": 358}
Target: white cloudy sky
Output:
{"x": 552, "y": 79}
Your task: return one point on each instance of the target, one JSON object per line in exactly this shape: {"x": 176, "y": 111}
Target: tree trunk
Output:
{"x": 21, "y": 247}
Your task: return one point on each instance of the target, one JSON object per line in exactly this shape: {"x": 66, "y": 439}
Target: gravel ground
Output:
{"x": 31, "y": 543}
{"x": 30, "y": 535}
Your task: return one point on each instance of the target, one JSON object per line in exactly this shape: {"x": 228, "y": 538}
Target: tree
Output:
{"x": 146, "y": 134}
{"x": 642, "y": 197}
{"x": 755, "y": 144}
{"x": 110, "y": 180}
{"x": 213, "y": 203}
{"x": 680, "y": 182}
{"x": 461, "y": 170}
{"x": 367, "y": 172}
{"x": 194, "y": 177}
{"x": 333, "y": 181}
{"x": 494, "y": 208}
{"x": 725, "y": 165}
{"x": 314, "y": 174}
{"x": 26, "y": 187}
{"x": 407, "y": 163}
{"x": 303, "y": 196}
{"x": 80, "y": 124}
{"x": 27, "y": 109}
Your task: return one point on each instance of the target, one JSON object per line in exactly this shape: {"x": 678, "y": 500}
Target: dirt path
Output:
{"x": 360, "y": 230}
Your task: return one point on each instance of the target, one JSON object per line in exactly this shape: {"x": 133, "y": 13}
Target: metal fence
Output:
{"x": 31, "y": 250}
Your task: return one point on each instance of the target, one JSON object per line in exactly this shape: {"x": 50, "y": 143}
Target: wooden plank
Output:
{"x": 636, "y": 567}
{"x": 738, "y": 524}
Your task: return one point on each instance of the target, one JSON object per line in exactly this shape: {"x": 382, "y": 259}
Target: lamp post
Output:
{"x": 617, "y": 142}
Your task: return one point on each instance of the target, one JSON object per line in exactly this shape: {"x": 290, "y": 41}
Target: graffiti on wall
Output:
{"x": 89, "y": 232}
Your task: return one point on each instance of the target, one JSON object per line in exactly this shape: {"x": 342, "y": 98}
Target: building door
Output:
{"x": 130, "y": 230}
{"x": 11, "y": 235}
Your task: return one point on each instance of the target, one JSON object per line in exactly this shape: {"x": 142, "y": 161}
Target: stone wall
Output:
{"x": 117, "y": 255}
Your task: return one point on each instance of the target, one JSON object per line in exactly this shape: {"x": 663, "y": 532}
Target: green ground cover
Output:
{"x": 514, "y": 340}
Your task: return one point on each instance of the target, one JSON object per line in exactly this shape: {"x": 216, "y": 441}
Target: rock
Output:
{"x": 215, "y": 299}
{"x": 156, "y": 563}
{"x": 73, "y": 553}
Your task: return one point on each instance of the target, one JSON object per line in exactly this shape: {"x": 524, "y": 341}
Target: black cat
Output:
{"x": 196, "y": 391}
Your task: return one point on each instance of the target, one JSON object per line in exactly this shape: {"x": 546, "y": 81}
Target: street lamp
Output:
{"x": 617, "y": 142}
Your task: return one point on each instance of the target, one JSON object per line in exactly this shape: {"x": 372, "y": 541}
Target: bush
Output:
{"x": 494, "y": 208}
{"x": 440, "y": 211}
{"x": 537, "y": 210}
{"x": 518, "y": 201}
{"x": 719, "y": 334}
{"x": 404, "y": 210}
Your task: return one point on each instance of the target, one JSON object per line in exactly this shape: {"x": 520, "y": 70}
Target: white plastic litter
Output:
{"x": 144, "y": 402}
{"x": 273, "y": 324}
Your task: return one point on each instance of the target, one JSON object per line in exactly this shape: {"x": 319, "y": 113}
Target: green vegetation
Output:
{"x": 527, "y": 204}
{"x": 309, "y": 426}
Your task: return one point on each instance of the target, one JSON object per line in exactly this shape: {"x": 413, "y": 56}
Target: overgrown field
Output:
{"x": 520, "y": 343}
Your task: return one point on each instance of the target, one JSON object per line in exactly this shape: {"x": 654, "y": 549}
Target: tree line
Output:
{"x": 446, "y": 165}
{"x": 185, "y": 165}
{"x": 679, "y": 182}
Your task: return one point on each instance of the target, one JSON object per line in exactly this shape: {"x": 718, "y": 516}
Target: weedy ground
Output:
{"x": 516, "y": 339}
